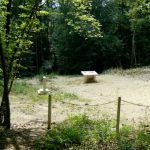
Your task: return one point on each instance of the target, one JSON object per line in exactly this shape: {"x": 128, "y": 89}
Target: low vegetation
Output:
{"x": 64, "y": 96}
{"x": 120, "y": 71}
{"x": 23, "y": 87}
{"x": 80, "y": 132}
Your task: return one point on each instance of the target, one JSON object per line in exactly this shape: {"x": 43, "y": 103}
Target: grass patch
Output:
{"x": 120, "y": 71}
{"x": 64, "y": 96}
{"x": 25, "y": 88}
{"x": 81, "y": 133}
{"x": 22, "y": 87}
{"x": 70, "y": 132}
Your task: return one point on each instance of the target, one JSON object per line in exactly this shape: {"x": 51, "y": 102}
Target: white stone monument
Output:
{"x": 89, "y": 76}
{"x": 44, "y": 90}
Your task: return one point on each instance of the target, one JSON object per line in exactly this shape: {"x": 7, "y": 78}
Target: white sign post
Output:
{"x": 45, "y": 91}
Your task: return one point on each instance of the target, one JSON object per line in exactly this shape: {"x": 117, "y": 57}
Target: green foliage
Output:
{"x": 126, "y": 138}
{"x": 17, "y": 25}
{"x": 71, "y": 132}
{"x": 77, "y": 131}
{"x": 143, "y": 137}
{"x": 94, "y": 35}
{"x": 64, "y": 96}
{"x": 104, "y": 129}
{"x": 73, "y": 29}
{"x": 80, "y": 132}
{"x": 21, "y": 87}
{"x": 80, "y": 20}
{"x": 75, "y": 53}
{"x": 139, "y": 13}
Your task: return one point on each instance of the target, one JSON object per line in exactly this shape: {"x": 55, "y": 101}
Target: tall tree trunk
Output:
{"x": 133, "y": 53}
{"x": 4, "y": 107}
{"x": 5, "y": 110}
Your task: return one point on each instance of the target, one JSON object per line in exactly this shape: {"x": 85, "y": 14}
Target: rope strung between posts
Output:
{"x": 86, "y": 104}
{"x": 69, "y": 103}
{"x": 103, "y": 103}
{"x": 136, "y": 104}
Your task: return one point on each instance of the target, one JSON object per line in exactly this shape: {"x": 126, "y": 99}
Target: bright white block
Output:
{"x": 44, "y": 90}
{"x": 89, "y": 76}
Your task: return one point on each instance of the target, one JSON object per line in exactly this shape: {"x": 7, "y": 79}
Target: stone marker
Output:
{"x": 44, "y": 90}
{"x": 89, "y": 76}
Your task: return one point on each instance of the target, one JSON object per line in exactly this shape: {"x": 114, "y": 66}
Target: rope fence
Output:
{"x": 86, "y": 104}
{"x": 141, "y": 105}
{"x": 82, "y": 105}
{"x": 119, "y": 103}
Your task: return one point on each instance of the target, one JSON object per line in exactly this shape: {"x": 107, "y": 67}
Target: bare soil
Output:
{"x": 100, "y": 98}
{"x": 29, "y": 120}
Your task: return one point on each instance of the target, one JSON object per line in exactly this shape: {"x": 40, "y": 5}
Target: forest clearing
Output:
{"x": 71, "y": 96}
{"x": 59, "y": 42}
{"x": 133, "y": 86}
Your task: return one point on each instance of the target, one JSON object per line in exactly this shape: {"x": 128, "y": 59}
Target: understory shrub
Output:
{"x": 81, "y": 133}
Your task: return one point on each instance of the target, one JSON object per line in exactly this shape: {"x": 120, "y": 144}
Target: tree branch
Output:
{"x": 8, "y": 21}
{"x": 33, "y": 10}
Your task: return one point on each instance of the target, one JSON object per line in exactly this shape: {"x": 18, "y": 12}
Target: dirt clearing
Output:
{"x": 108, "y": 88}
{"x": 133, "y": 87}
{"x": 94, "y": 99}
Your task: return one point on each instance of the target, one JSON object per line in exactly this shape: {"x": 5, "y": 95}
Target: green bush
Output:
{"x": 143, "y": 138}
{"x": 70, "y": 132}
{"x": 106, "y": 132}
{"x": 127, "y": 138}
{"x": 76, "y": 131}
{"x": 81, "y": 133}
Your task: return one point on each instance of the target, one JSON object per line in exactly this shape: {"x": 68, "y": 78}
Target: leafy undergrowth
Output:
{"x": 81, "y": 133}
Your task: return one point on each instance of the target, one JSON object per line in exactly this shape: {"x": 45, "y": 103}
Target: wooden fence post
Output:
{"x": 118, "y": 116}
{"x": 49, "y": 111}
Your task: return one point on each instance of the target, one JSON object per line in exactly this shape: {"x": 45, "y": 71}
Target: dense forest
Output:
{"x": 93, "y": 35}
{"x": 75, "y": 35}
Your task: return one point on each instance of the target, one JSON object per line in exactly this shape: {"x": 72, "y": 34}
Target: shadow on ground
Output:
{"x": 20, "y": 138}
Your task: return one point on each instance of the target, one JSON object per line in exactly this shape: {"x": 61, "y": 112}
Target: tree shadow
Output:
{"x": 20, "y": 138}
